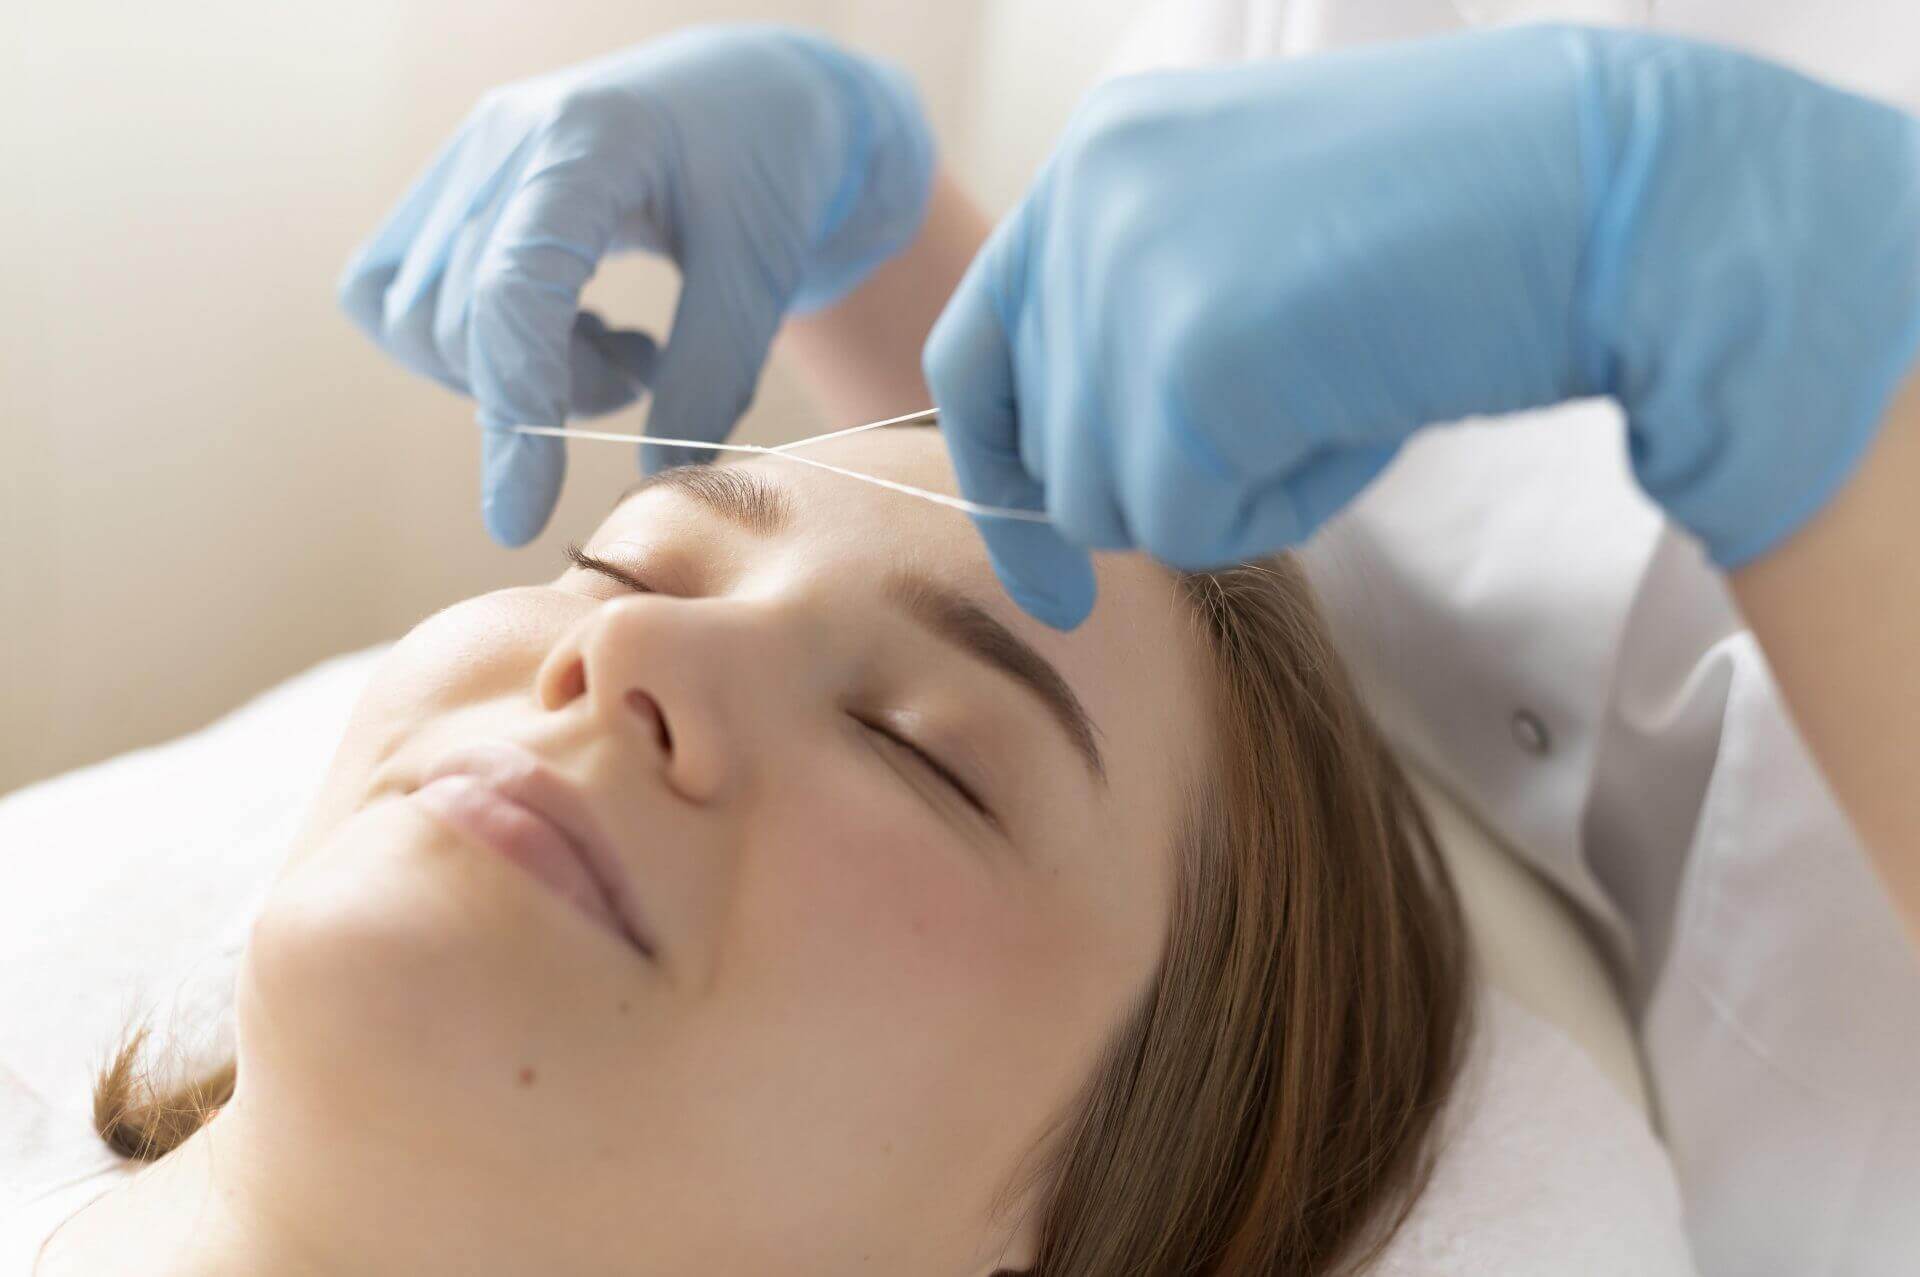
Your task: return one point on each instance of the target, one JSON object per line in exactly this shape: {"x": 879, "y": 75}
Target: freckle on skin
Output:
{"x": 625, "y": 1006}
{"x": 527, "y": 1076}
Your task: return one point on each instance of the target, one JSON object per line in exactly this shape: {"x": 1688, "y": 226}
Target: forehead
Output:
{"x": 887, "y": 522}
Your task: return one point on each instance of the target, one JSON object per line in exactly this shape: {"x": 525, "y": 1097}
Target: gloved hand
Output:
{"x": 1232, "y": 294}
{"x": 776, "y": 169}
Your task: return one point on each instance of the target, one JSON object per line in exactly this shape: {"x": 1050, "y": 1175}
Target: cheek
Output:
{"x": 862, "y": 910}
{"x": 930, "y": 1003}
{"x": 857, "y": 881}
{"x": 481, "y": 647}
{"x": 473, "y": 651}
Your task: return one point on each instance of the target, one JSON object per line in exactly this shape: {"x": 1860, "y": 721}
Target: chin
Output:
{"x": 415, "y": 976}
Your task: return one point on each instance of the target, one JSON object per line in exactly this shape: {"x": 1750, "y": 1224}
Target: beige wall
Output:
{"x": 209, "y": 480}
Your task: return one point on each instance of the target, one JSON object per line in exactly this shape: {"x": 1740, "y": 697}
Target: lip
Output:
{"x": 517, "y": 775}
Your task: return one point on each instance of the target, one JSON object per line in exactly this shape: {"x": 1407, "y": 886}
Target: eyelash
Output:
{"x": 932, "y": 764}
{"x": 593, "y": 563}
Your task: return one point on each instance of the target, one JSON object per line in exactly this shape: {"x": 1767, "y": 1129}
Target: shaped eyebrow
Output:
{"x": 734, "y": 493}
{"x": 958, "y": 620}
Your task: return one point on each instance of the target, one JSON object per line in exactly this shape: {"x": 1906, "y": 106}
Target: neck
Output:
{"x": 244, "y": 1197}
{"x": 195, "y": 1213}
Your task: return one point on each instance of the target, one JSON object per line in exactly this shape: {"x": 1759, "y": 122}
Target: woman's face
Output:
{"x": 868, "y": 987}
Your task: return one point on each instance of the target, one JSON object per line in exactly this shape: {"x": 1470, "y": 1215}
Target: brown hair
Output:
{"x": 1267, "y": 1108}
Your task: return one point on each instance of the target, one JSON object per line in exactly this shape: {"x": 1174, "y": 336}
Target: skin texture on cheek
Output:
{"x": 966, "y": 983}
{"x": 867, "y": 891}
{"x": 465, "y": 654}
{"x": 835, "y": 1057}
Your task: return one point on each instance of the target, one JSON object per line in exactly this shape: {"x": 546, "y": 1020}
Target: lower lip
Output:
{"x": 521, "y": 835}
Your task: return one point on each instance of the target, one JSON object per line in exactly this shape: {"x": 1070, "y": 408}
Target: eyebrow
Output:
{"x": 735, "y": 494}
{"x": 960, "y": 621}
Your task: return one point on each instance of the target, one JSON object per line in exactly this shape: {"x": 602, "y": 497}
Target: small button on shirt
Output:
{"x": 1529, "y": 733}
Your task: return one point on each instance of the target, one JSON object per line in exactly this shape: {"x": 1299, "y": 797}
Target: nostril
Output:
{"x": 571, "y": 685}
{"x": 649, "y": 709}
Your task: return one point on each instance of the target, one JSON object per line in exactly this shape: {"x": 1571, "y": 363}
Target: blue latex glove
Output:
{"x": 1232, "y": 294}
{"x": 776, "y": 169}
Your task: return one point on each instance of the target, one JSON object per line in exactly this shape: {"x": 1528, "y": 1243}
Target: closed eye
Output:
{"x": 931, "y": 763}
{"x": 613, "y": 571}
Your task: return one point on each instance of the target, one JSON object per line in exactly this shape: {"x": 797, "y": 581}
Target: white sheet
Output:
{"x": 129, "y": 885}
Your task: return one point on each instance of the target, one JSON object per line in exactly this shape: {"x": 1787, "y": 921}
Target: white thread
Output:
{"x": 938, "y": 498}
{"x": 925, "y": 417}
{"x": 568, "y": 432}
{"x": 786, "y": 450}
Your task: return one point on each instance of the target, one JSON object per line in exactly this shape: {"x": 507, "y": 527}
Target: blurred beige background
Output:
{"x": 209, "y": 479}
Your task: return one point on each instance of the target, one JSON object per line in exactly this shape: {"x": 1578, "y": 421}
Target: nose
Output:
{"x": 648, "y": 670}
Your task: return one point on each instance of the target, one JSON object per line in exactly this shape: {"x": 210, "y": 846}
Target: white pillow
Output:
{"x": 1530, "y": 946}
{"x": 127, "y": 887}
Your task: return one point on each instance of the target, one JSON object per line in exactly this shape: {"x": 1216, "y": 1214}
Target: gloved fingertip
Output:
{"x": 1049, "y": 579}
{"x": 1064, "y": 606}
{"x": 520, "y": 479}
{"x": 1063, "y": 614}
{"x": 361, "y": 293}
